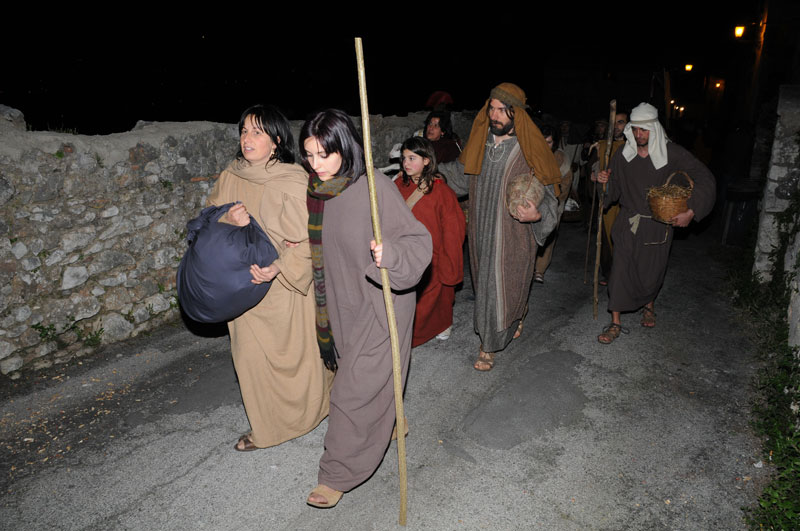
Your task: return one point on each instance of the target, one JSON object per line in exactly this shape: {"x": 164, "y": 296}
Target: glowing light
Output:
{"x": 738, "y": 31}
{"x": 689, "y": 68}
{"x": 718, "y": 85}
{"x": 682, "y": 109}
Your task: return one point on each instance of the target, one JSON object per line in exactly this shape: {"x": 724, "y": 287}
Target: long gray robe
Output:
{"x": 362, "y": 410}
{"x": 502, "y": 250}
{"x": 639, "y": 262}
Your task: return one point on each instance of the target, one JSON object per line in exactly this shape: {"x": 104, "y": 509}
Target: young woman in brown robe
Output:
{"x": 352, "y": 328}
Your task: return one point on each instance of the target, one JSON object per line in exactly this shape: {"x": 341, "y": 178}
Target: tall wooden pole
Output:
{"x": 387, "y": 291}
{"x": 612, "y": 117}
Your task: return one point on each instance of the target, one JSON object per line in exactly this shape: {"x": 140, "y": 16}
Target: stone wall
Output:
{"x": 783, "y": 180}
{"x": 92, "y": 227}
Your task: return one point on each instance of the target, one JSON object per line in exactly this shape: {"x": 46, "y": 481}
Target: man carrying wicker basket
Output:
{"x": 642, "y": 237}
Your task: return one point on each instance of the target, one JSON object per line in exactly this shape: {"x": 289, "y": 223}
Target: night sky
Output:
{"x": 74, "y": 74}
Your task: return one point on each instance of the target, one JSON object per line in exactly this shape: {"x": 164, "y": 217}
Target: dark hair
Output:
{"x": 270, "y": 120}
{"x": 549, "y": 130}
{"x": 422, "y": 147}
{"x": 335, "y": 132}
{"x": 445, "y": 124}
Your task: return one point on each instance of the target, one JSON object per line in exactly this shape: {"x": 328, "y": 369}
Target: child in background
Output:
{"x": 435, "y": 205}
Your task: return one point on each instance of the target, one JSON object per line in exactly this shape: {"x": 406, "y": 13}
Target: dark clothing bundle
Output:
{"x": 214, "y": 279}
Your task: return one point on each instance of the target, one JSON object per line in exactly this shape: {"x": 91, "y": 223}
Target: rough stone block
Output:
{"x": 120, "y": 278}
{"x": 7, "y": 190}
{"x": 19, "y": 249}
{"x": 77, "y": 239}
{"x": 165, "y": 258}
{"x": 156, "y": 303}
{"x": 6, "y": 349}
{"x": 55, "y": 257}
{"x": 110, "y": 212}
{"x": 29, "y": 263}
{"x": 115, "y": 327}
{"x": 74, "y": 276}
{"x": 10, "y": 364}
{"x": 123, "y": 226}
{"x": 21, "y": 314}
{"x": 83, "y": 306}
{"x": 794, "y": 314}
{"x": 16, "y": 331}
{"x": 108, "y": 260}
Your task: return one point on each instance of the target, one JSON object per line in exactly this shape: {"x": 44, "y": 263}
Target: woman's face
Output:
{"x": 549, "y": 140}
{"x": 413, "y": 164}
{"x": 325, "y": 165}
{"x": 257, "y": 146}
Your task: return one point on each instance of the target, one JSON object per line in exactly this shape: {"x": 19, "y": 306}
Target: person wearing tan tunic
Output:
{"x": 285, "y": 386}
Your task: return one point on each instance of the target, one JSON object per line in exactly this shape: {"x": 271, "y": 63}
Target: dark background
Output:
{"x": 98, "y": 73}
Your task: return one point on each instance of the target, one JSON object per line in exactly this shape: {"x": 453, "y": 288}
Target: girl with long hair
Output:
{"x": 435, "y": 205}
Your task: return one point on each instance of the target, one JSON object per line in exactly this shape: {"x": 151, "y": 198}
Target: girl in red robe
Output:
{"x": 435, "y": 205}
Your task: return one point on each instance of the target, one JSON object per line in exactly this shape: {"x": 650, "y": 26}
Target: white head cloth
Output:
{"x": 645, "y": 116}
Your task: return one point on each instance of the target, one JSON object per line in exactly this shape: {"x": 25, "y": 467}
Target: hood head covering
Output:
{"x": 645, "y": 116}
{"x": 535, "y": 150}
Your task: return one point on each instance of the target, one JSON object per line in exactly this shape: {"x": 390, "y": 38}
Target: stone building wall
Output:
{"x": 783, "y": 180}
{"x": 92, "y": 227}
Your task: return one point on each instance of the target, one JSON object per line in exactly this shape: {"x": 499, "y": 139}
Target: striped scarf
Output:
{"x": 318, "y": 192}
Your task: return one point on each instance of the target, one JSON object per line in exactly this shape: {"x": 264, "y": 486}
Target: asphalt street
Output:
{"x": 651, "y": 432}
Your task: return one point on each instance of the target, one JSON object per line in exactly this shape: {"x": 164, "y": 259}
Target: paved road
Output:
{"x": 650, "y": 432}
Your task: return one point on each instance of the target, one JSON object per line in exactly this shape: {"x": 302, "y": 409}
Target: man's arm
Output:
{"x": 544, "y": 218}
{"x": 704, "y": 192}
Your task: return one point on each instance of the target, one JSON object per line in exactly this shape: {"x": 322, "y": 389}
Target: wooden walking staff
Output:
{"x": 612, "y": 117}
{"x": 387, "y": 291}
{"x": 589, "y": 234}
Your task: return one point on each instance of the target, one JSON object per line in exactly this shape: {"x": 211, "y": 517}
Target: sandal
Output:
{"x": 330, "y": 496}
{"x": 245, "y": 444}
{"x": 610, "y": 333}
{"x": 519, "y": 329}
{"x": 538, "y": 278}
{"x": 648, "y": 317}
{"x": 485, "y": 361}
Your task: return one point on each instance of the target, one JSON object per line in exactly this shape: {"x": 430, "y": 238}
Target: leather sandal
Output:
{"x": 245, "y": 444}
{"x": 611, "y": 332}
{"x": 519, "y": 330}
{"x": 485, "y": 361}
{"x": 330, "y": 495}
{"x": 648, "y": 317}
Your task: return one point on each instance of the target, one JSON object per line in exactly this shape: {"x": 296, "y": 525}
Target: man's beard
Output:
{"x": 502, "y": 130}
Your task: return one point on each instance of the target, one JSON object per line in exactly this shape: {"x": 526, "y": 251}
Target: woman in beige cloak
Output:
{"x": 284, "y": 383}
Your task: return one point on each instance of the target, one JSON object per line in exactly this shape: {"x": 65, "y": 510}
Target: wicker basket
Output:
{"x": 669, "y": 200}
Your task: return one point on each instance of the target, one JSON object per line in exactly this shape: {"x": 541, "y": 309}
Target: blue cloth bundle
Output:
{"x": 214, "y": 280}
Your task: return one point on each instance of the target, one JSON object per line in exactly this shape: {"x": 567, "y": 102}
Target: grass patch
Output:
{"x": 777, "y": 410}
